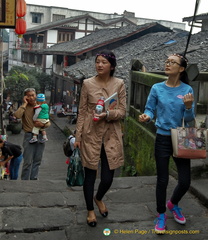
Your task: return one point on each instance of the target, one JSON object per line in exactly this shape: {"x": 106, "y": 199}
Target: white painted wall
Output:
{"x": 49, "y": 61}
{"x": 79, "y": 35}
{"x": 52, "y": 36}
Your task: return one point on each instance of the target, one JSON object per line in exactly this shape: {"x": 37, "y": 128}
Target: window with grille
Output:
{"x": 36, "y": 17}
{"x": 64, "y": 36}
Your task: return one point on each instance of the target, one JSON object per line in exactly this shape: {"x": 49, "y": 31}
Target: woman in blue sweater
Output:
{"x": 172, "y": 100}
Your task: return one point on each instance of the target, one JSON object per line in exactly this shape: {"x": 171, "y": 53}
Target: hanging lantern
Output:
{"x": 20, "y": 27}
{"x": 21, "y": 8}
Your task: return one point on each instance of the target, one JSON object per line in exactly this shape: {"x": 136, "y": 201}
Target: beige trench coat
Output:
{"x": 107, "y": 131}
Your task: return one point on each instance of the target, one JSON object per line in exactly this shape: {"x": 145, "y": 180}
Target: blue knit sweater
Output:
{"x": 167, "y": 104}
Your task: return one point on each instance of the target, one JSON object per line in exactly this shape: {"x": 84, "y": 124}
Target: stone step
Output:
{"x": 199, "y": 168}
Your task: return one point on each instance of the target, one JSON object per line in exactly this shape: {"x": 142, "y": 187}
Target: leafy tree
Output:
{"x": 20, "y": 78}
{"x": 17, "y": 80}
{"x": 44, "y": 80}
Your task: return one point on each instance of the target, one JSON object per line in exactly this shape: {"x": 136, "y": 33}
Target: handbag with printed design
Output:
{"x": 189, "y": 142}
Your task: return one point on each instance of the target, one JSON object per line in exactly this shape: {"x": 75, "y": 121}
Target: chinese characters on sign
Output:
{"x": 7, "y": 13}
{"x": 2, "y": 10}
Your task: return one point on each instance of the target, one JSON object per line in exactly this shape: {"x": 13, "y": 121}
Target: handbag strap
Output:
{"x": 76, "y": 152}
{"x": 195, "y": 123}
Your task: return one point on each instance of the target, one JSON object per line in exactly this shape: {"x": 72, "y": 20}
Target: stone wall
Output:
{"x": 138, "y": 149}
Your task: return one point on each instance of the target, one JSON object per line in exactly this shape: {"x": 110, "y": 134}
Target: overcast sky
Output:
{"x": 173, "y": 10}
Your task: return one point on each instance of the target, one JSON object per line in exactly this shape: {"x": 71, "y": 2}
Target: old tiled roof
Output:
{"x": 66, "y": 21}
{"x": 112, "y": 21}
{"x": 103, "y": 37}
{"x": 59, "y": 23}
{"x": 201, "y": 16}
{"x": 152, "y": 51}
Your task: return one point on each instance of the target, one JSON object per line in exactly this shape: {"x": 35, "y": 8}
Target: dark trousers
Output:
{"x": 14, "y": 167}
{"x": 105, "y": 183}
{"x": 163, "y": 151}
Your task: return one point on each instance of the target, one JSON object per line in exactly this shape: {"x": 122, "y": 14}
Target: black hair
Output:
{"x": 183, "y": 63}
{"x": 110, "y": 56}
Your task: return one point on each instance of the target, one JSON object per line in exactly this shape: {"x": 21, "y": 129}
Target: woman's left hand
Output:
{"x": 100, "y": 116}
{"x": 188, "y": 100}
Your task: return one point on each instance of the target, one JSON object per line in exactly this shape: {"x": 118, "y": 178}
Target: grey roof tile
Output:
{"x": 151, "y": 51}
{"x": 98, "y": 38}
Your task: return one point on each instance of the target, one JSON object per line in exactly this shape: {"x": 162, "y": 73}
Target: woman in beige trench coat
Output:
{"x": 100, "y": 140}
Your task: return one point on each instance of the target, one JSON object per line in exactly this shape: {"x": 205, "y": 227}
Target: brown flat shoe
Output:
{"x": 104, "y": 210}
{"x": 92, "y": 222}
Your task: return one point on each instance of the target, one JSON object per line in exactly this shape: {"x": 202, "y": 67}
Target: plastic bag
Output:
{"x": 75, "y": 171}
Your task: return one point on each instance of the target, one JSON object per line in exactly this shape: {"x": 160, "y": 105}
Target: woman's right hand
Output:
{"x": 77, "y": 144}
{"x": 144, "y": 118}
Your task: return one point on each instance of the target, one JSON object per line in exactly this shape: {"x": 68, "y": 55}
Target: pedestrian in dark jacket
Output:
{"x": 11, "y": 152}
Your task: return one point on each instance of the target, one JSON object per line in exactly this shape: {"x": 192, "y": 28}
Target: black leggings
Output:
{"x": 89, "y": 182}
{"x": 163, "y": 151}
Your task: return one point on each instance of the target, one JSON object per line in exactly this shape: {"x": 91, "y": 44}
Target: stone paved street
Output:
{"x": 48, "y": 210}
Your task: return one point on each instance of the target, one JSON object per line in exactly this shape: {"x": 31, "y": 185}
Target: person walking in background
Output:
{"x": 68, "y": 146}
{"x": 171, "y": 100}
{"x": 101, "y": 139}
{"x": 41, "y": 115}
{"x": 12, "y": 155}
{"x": 72, "y": 140}
{"x": 32, "y": 153}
